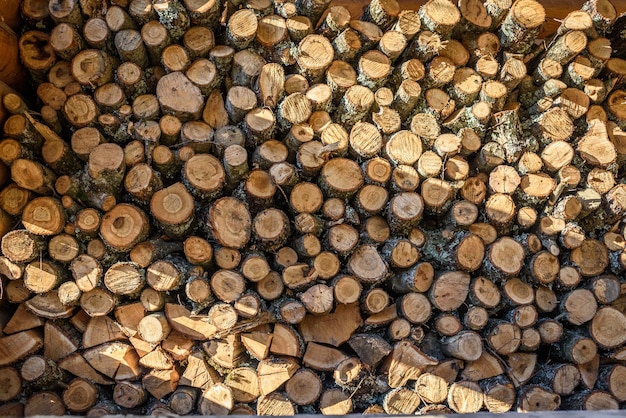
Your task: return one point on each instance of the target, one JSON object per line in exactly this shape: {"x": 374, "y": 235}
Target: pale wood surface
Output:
{"x": 551, "y": 414}
{"x": 555, "y": 9}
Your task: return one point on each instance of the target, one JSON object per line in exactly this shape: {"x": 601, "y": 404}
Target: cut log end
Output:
{"x": 288, "y": 205}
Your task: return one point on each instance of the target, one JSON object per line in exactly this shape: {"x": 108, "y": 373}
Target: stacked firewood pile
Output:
{"x": 273, "y": 208}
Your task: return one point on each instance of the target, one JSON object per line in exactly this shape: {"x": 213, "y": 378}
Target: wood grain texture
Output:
{"x": 544, "y": 414}
{"x": 10, "y": 68}
{"x": 555, "y": 9}
{"x": 473, "y": 252}
{"x": 10, "y": 13}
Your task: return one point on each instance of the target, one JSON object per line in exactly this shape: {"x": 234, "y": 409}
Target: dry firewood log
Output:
{"x": 275, "y": 208}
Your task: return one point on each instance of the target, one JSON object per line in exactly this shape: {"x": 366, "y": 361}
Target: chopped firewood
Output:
{"x": 274, "y": 372}
{"x": 116, "y": 360}
{"x": 279, "y": 207}
{"x": 17, "y": 346}
{"x": 180, "y": 319}
{"x": 334, "y": 328}
{"x": 78, "y": 366}
{"x": 406, "y": 362}
{"x": 320, "y": 357}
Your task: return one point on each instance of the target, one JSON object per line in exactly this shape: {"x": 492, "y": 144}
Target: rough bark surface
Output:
{"x": 271, "y": 208}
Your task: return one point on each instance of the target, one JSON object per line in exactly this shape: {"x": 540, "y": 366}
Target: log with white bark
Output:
{"x": 276, "y": 208}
